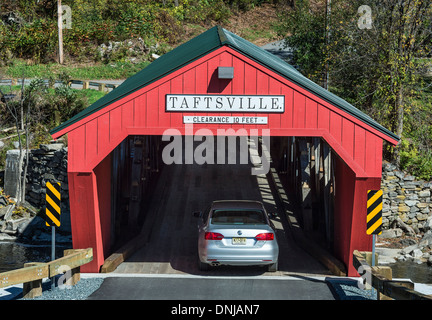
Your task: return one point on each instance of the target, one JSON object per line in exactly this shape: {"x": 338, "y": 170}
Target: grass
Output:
{"x": 90, "y": 94}
{"x": 118, "y": 70}
{"x": 256, "y": 32}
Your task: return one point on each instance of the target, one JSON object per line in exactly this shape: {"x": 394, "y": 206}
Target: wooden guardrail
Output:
{"x": 86, "y": 84}
{"x": 380, "y": 277}
{"x": 33, "y": 272}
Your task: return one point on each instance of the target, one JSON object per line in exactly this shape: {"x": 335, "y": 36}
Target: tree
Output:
{"x": 20, "y": 112}
{"x": 370, "y": 53}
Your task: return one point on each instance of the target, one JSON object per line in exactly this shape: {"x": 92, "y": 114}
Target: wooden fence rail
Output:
{"x": 380, "y": 277}
{"x": 86, "y": 84}
{"x": 33, "y": 272}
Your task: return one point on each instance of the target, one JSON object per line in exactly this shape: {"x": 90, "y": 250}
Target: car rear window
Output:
{"x": 238, "y": 216}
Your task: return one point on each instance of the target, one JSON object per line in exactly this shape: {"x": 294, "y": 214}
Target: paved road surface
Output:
{"x": 213, "y": 288}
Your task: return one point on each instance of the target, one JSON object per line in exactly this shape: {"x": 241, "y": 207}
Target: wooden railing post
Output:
{"x": 75, "y": 272}
{"x": 33, "y": 288}
{"x": 381, "y": 280}
{"x": 33, "y": 272}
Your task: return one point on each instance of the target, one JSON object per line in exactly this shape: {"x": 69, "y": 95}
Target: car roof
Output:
{"x": 236, "y": 204}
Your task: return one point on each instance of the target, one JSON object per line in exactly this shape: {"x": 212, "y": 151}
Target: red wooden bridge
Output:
{"x": 139, "y": 108}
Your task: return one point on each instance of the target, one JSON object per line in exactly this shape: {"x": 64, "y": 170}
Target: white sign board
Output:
{"x": 225, "y": 119}
{"x": 225, "y": 103}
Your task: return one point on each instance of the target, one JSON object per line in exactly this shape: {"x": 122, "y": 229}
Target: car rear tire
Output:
{"x": 273, "y": 267}
{"x": 203, "y": 266}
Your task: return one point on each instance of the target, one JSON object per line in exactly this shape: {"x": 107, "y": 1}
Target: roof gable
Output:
{"x": 203, "y": 44}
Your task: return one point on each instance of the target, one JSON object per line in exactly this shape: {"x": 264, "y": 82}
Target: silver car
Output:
{"x": 237, "y": 233}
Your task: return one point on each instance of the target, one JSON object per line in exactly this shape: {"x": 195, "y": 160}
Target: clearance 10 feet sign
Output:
{"x": 225, "y": 104}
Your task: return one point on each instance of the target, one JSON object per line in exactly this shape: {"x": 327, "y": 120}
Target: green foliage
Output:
{"x": 420, "y": 164}
{"x": 116, "y": 70}
{"x": 48, "y": 107}
{"x": 307, "y": 38}
{"x": 100, "y": 21}
{"x": 34, "y": 40}
{"x": 374, "y": 68}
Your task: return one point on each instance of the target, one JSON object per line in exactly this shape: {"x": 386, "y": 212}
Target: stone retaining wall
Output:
{"x": 49, "y": 163}
{"x": 406, "y": 201}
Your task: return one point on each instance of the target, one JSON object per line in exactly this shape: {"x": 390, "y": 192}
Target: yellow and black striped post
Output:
{"x": 52, "y": 211}
{"x": 52, "y": 215}
{"x": 374, "y": 212}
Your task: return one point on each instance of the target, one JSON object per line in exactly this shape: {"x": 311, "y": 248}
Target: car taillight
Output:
{"x": 213, "y": 236}
{"x": 265, "y": 236}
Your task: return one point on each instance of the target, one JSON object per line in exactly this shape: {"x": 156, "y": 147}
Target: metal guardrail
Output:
{"x": 33, "y": 272}
{"x": 380, "y": 277}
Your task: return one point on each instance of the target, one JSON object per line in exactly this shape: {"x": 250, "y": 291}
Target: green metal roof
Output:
{"x": 203, "y": 44}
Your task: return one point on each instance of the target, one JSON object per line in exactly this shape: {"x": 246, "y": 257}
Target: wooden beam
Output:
{"x": 399, "y": 290}
{"x": 72, "y": 260}
{"x": 29, "y": 273}
{"x": 33, "y": 288}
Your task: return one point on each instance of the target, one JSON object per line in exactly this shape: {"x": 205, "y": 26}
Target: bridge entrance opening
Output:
{"x": 156, "y": 199}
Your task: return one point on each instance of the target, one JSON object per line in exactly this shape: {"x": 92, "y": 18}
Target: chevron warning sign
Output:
{"x": 374, "y": 212}
{"x": 52, "y": 211}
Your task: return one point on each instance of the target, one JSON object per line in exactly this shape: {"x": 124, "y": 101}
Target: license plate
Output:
{"x": 238, "y": 240}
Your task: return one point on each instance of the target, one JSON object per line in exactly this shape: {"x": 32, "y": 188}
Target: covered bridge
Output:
{"x": 144, "y": 105}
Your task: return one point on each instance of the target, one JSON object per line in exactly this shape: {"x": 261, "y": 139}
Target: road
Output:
{"x": 181, "y": 287}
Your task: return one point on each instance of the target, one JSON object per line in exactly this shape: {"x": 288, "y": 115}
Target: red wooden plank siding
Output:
{"x": 300, "y": 109}
{"x": 371, "y": 156}
{"x": 176, "y": 88}
{"x": 262, "y": 89}
{"x": 115, "y": 123}
{"x": 127, "y": 117}
{"x": 311, "y": 114}
{"x": 76, "y": 150}
{"x": 239, "y": 76}
{"x": 140, "y": 105}
{"x": 91, "y": 143}
{"x": 85, "y": 222}
{"x": 336, "y": 126}
{"x": 189, "y": 81}
{"x": 164, "y": 117}
{"x": 225, "y": 60}
{"x": 250, "y": 83}
{"x": 348, "y": 136}
{"x": 323, "y": 117}
{"x": 103, "y": 133}
{"x": 223, "y": 86}
{"x": 287, "y": 116}
{"x": 152, "y": 107}
{"x": 359, "y": 145}
{"x": 275, "y": 88}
